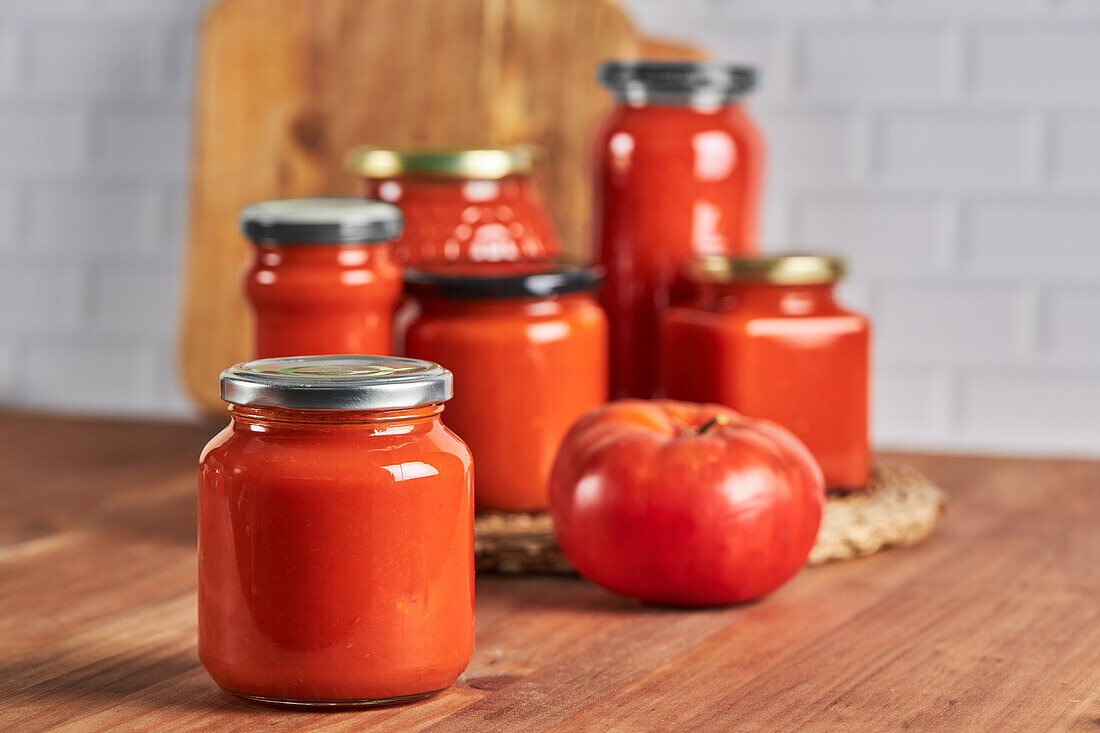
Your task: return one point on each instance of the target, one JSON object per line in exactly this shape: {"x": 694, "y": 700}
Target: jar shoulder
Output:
{"x": 333, "y": 454}
{"x": 580, "y": 313}
{"x": 663, "y": 126}
{"x": 748, "y": 318}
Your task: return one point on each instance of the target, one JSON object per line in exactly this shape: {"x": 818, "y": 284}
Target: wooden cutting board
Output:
{"x": 286, "y": 87}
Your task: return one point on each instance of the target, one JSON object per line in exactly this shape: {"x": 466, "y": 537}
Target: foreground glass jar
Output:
{"x": 322, "y": 279}
{"x": 767, "y": 337}
{"x": 461, "y": 204}
{"x": 678, "y": 166}
{"x": 528, "y": 347}
{"x": 335, "y": 534}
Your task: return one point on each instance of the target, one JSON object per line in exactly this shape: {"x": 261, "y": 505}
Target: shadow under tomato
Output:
{"x": 569, "y": 592}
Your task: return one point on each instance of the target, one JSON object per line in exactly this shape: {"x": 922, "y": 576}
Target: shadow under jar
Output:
{"x": 678, "y": 166}
{"x": 766, "y": 336}
{"x": 460, "y": 204}
{"x": 322, "y": 278}
{"x": 528, "y": 348}
{"x": 335, "y": 534}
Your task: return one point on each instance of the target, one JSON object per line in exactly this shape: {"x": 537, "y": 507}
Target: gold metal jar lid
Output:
{"x": 472, "y": 163}
{"x": 777, "y": 269}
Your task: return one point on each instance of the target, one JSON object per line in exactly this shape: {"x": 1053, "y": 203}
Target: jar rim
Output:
{"x": 495, "y": 281}
{"x": 323, "y": 220}
{"x": 336, "y": 382}
{"x": 474, "y": 163}
{"x": 793, "y": 268}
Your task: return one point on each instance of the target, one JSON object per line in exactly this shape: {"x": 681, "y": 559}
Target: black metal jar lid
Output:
{"x": 503, "y": 280}
{"x": 322, "y": 221}
{"x": 679, "y": 83}
{"x": 338, "y": 382}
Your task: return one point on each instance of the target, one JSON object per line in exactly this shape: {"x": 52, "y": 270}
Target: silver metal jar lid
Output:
{"x": 676, "y": 83}
{"x": 322, "y": 221}
{"x": 341, "y": 382}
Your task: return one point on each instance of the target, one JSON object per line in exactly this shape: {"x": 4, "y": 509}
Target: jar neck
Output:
{"x": 502, "y": 307}
{"x": 681, "y": 106}
{"x": 341, "y": 255}
{"x": 789, "y": 299}
{"x": 276, "y": 419}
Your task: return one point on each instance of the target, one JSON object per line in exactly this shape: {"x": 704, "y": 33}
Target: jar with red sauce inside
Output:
{"x": 461, "y": 204}
{"x": 528, "y": 347}
{"x": 678, "y": 166}
{"x": 766, "y": 336}
{"x": 322, "y": 278}
{"x": 335, "y": 534}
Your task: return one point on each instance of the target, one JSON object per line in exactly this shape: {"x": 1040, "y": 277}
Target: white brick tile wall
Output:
{"x": 143, "y": 141}
{"x": 7, "y": 366}
{"x": 1077, "y": 150}
{"x": 1048, "y": 409}
{"x": 115, "y": 287}
{"x": 9, "y": 59}
{"x": 154, "y": 9}
{"x": 33, "y": 9}
{"x": 1028, "y": 238}
{"x": 788, "y": 10}
{"x": 958, "y": 321}
{"x": 77, "y": 60}
{"x": 107, "y": 218}
{"x": 1026, "y": 63}
{"x": 814, "y": 148}
{"x": 40, "y": 299}
{"x": 48, "y": 140}
{"x": 1076, "y": 8}
{"x": 9, "y": 223}
{"x": 960, "y": 150}
{"x": 892, "y": 63}
{"x": 1073, "y": 328}
{"x": 907, "y": 401}
{"x": 878, "y": 235}
{"x": 983, "y": 9}
{"x": 89, "y": 375}
{"x": 950, "y": 148}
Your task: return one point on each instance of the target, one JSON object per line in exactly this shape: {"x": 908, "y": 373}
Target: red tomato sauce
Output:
{"x": 335, "y": 555}
{"x": 526, "y": 368}
{"x": 672, "y": 180}
{"x": 322, "y": 299}
{"x": 784, "y": 352}
{"x": 461, "y": 211}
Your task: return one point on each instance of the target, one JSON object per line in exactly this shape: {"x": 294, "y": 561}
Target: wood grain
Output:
{"x": 286, "y": 87}
{"x": 994, "y": 623}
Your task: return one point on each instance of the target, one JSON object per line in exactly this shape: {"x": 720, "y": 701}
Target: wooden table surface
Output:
{"x": 993, "y": 623}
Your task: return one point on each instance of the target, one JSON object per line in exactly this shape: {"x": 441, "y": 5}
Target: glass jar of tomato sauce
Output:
{"x": 335, "y": 534}
{"x": 678, "y": 167}
{"x": 528, "y": 347}
{"x": 766, "y": 336}
{"x": 322, "y": 278}
{"x": 461, "y": 204}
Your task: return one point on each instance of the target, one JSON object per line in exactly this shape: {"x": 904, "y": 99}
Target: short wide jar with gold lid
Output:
{"x": 461, "y": 205}
{"x": 766, "y": 336}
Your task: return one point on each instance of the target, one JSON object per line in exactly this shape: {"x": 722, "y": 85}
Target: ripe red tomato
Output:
{"x": 684, "y": 504}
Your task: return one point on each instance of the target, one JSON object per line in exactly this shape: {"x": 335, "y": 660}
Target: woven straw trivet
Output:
{"x": 901, "y": 507}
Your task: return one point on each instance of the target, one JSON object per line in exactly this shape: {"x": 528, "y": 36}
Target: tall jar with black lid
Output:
{"x": 678, "y": 167}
